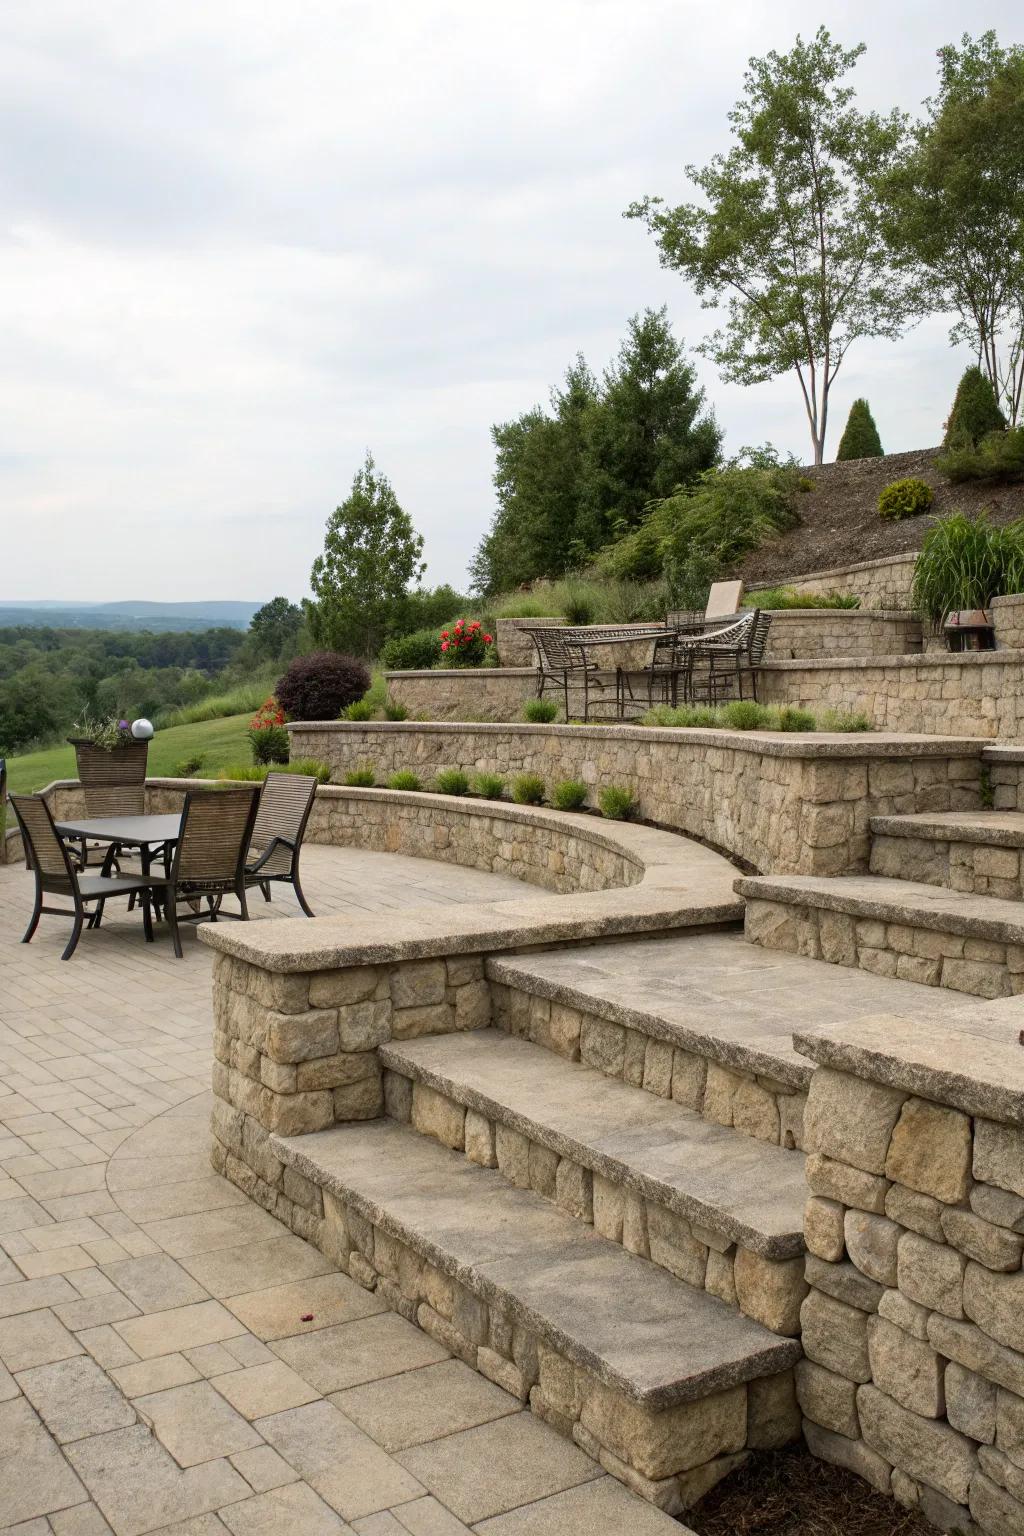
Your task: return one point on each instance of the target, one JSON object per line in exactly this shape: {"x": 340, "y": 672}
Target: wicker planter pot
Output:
{"x": 114, "y": 781}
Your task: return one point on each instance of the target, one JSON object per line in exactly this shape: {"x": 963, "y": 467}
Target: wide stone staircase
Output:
{"x": 597, "y": 1201}
{"x": 941, "y": 905}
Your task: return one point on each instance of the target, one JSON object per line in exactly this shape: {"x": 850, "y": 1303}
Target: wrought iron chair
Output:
{"x": 563, "y": 661}
{"x": 56, "y": 874}
{"x": 736, "y": 653}
{"x": 284, "y": 809}
{"x": 209, "y": 856}
{"x": 710, "y": 663}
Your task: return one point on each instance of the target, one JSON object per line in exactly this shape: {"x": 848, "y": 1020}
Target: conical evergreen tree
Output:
{"x": 860, "y": 439}
{"x": 975, "y": 411}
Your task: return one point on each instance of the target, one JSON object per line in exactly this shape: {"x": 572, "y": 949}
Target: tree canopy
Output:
{"x": 787, "y": 233}
{"x": 860, "y": 439}
{"x": 275, "y": 627}
{"x": 372, "y": 556}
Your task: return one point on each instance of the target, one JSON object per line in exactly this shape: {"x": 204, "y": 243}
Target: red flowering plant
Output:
{"x": 466, "y": 645}
{"x": 267, "y": 735}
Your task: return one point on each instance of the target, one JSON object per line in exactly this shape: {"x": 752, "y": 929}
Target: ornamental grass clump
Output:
{"x": 528, "y": 789}
{"x": 395, "y": 711}
{"x": 404, "y": 779}
{"x": 360, "y": 709}
{"x": 361, "y": 778}
{"x": 745, "y": 715}
{"x": 964, "y": 564}
{"x": 844, "y": 720}
{"x": 452, "y": 781}
{"x": 490, "y": 786}
{"x": 540, "y": 711}
{"x": 790, "y": 718}
{"x": 569, "y": 795}
{"x": 617, "y": 802}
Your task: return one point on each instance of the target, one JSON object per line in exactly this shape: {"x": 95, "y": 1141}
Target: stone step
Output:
{"x": 716, "y": 1209}
{"x": 727, "y": 1008}
{"x": 902, "y": 928}
{"x": 978, "y": 852}
{"x": 665, "y": 1385}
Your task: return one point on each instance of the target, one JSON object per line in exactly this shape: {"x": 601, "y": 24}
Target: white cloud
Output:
{"x": 240, "y": 243}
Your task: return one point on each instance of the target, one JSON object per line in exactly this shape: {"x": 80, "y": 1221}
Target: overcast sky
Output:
{"x": 241, "y": 242}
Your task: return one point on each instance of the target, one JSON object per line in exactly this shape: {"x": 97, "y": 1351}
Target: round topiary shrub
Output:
{"x": 319, "y": 686}
{"x": 905, "y": 498}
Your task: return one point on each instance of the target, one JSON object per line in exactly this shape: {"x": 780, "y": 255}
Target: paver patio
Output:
{"x": 172, "y": 1359}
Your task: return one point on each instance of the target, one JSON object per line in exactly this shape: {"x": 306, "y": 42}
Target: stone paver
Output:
{"x": 164, "y": 1341}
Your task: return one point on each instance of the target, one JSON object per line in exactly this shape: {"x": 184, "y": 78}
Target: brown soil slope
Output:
{"x": 839, "y": 521}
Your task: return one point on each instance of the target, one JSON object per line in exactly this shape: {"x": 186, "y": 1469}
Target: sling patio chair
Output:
{"x": 50, "y": 859}
{"x": 284, "y": 810}
{"x": 209, "y": 857}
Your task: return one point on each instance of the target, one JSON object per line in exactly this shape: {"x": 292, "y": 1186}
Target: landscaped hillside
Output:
{"x": 839, "y": 521}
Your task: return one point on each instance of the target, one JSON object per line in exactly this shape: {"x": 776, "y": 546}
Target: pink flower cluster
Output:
{"x": 465, "y": 644}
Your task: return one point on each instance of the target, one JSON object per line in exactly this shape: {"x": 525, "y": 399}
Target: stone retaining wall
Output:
{"x": 471, "y": 693}
{"x": 781, "y": 802}
{"x": 913, "y": 1329}
{"x": 815, "y": 633}
{"x": 884, "y": 583}
{"x": 1008, "y": 618}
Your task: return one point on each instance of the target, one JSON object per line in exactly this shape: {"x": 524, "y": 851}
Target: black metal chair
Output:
{"x": 736, "y": 653}
{"x": 209, "y": 856}
{"x": 284, "y": 810}
{"x": 56, "y": 874}
{"x": 562, "y": 660}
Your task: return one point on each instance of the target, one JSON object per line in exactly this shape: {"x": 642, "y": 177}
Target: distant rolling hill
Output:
{"x": 131, "y": 614}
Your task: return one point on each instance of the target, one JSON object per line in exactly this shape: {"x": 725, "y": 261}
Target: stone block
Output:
{"x": 543, "y": 1170}
{"x": 930, "y": 1151}
{"x": 412, "y": 1023}
{"x": 970, "y": 1403}
{"x": 359, "y": 1101}
{"x": 336, "y": 1071}
{"x": 998, "y": 1206}
{"x": 657, "y": 1074}
{"x": 990, "y": 1245}
{"x": 354, "y": 984}
{"x": 634, "y": 1224}
{"x": 574, "y": 1190}
{"x": 773, "y": 1414}
{"x": 513, "y": 1153}
{"x": 770, "y": 1290}
{"x": 673, "y": 1246}
{"x": 854, "y": 1455}
{"x": 293, "y": 1037}
{"x": 502, "y": 1372}
{"x": 689, "y": 1079}
{"x": 719, "y": 1277}
{"x": 609, "y": 1205}
{"x": 851, "y": 1120}
{"x": 827, "y": 1399}
{"x": 755, "y": 1112}
{"x": 603, "y": 1045}
{"x": 480, "y": 1146}
{"x": 999, "y": 1155}
{"x": 844, "y": 1282}
{"x": 921, "y": 1213}
{"x": 926, "y": 1449}
{"x": 675, "y": 1440}
{"x": 932, "y": 1274}
{"x": 906, "y": 1314}
{"x": 362, "y": 1026}
{"x": 418, "y": 983}
{"x": 835, "y": 1335}
{"x": 473, "y": 1006}
{"x": 719, "y": 1091}
{"x": 297, "y": 1114}
{"x": 997, "y": 1512}
{"x": 906, "y": 1368}
{"x": 837, "y": 935}
{"x": 849, "y": 1186}
{"x": 1009, "y": 1418}
{"x": 996, "y": 1303}
{"x": 871, "y": 1242}
{"x": 398, "y": 1096}
{"x": 823, "y": 1228}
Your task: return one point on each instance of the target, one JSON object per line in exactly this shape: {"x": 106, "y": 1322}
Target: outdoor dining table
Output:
{"x": 142, "y": 832}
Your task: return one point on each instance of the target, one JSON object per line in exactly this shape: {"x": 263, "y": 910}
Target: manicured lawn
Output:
{"x": 217, "y": 742}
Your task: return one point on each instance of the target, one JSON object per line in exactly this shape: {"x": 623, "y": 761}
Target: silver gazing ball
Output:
{"x": 142, "y": 730}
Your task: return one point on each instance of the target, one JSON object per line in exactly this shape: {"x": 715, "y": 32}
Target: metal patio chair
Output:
{"x": 209, "y": 857}
{"x": 562, "y": 660}
{"x": 284, "y": 810}
{"x": 50, "y": 859}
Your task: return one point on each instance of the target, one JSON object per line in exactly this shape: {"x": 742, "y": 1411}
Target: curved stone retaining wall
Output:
{"x": 784, "y": 803}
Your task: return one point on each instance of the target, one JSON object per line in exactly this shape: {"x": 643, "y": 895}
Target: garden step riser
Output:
{"x": 910, "y": 950}
{"x": 979, "y": 869}
{"x": 769, "y": 1291}
{"x": 753, "y": 1103}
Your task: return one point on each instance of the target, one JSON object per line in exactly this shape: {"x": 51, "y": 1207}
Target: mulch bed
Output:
{"x": 789, "y": 1493}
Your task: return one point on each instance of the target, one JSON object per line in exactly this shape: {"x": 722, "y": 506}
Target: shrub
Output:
{"x": 844, "y": 720}
{"x": 319, "y": 686}
{"x": 258, "y": 771}
{"x": 415, "y": 652}
{"x": 490, "y": 785}
{"x": 404, "y": 779}
{"x": 466, "y": 645}
{"x": 745, "y": 715}
{"x": 268, "y": 739}
{"x": 361, "y": 778}
{"x": 776, "y": 598}
{"x": 395, "y": 711}
{"x": 579, "y": 605}
{"x": 860, "y": 438}
{"x": 998, "y": 457}
{"x": 528, "y": 789}
{"x": 905, "y": 498}
{"x": 617, "y": 802}
{"x": 189, "y": 767}
{"x": 790, "y": 718}
{"x": 452, "y": 781}
{"x": 975, "y": 411}
{"x": 965, "y": 564}
{"x": 540, "y": 711}
{"x": 360, "y": 709}
{"x": 683, "y": 715}
{"x": 570, "y": 795}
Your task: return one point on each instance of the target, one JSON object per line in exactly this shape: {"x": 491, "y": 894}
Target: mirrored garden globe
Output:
{"x": 142, "y": 730}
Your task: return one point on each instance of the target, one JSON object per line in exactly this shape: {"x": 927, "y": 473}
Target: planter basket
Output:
{"x": 114, "y": 782}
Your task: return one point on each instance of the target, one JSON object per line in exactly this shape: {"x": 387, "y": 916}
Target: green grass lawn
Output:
{"x": 217, "y": 742}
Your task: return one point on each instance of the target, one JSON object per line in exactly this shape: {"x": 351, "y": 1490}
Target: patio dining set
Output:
{"x": 223, "y": 842}
{"x": 689, "y": 659}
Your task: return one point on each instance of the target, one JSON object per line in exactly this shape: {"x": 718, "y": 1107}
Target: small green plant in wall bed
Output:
{"x": 361, "y": 778}
{"x": 528, "y": 789}
{"x": 540, "y": 711}
{"x": 570, "y": 795}
{"x": 404, "y": 779}
{"x": 362, "y": 709}
{"x": 452, "y": 781}
{"x": 617, "y": 802}
{"x": 491, "y": 786}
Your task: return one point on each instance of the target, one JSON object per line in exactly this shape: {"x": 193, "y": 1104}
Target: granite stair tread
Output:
{"x": 909, "y": 902}
{"x": 999, "y": 829}
{"x": 712, "y": 993}
{"x": 746, "y": 1190}
{"x": 654, "y": 1338}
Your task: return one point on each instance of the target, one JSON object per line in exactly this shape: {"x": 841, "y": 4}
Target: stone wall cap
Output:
{"x": 921, "y": 659}
{"x": 909, "y": 902}
{"x": 1003, "y": 752}
{"x": 973, "y": 1063}
{"x": 809, "y": 746}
